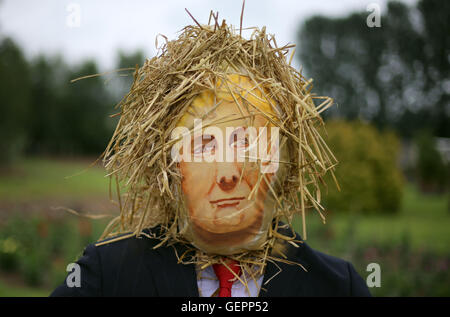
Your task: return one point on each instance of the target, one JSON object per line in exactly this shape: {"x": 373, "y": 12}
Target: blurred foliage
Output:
{"x": 39, "y": 248}
{"x": 396, "y": 75}
{"x": 423, "y": 217}
{"x": 411, "y": 246}
{"x": 15, "y": 97}
{"x": 367, "y": 172}
{"x": 67, "y": 118}
{"x": 404, "y": 272}
{"x": 431, "y": 171}
{"x": 84, "y": 112}
{"x": 45, "y": 112}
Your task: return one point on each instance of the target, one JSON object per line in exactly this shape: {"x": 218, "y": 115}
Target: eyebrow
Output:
{"x": 208, "y": 137}
{"x": 205, "y": 136}
{"x": 243, "y": 129}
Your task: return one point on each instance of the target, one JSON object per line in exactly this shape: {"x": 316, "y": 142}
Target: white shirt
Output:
{"x": 208, "y": 284}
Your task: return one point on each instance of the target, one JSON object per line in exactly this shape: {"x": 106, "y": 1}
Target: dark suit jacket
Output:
{"x": 131, "y": 267}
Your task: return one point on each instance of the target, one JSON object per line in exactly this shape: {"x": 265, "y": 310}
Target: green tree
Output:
{"x": 85, "y": 106}
{"x": 430, "y": 167}
{"x": 436, "y": 23}
{"x": 15, "y": 99}
{"x": 68, "y": 118}
{"x": 396, "y": 75}
{"x": 49, "y": 83}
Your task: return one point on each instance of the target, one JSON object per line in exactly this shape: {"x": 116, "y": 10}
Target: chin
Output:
{"x": 232, "y": 238}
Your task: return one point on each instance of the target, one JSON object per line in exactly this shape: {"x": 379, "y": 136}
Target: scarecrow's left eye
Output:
{"x": 205, "y": 145}
{"x": 239, "y": 139}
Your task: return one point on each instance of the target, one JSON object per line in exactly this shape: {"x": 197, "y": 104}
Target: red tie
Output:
{"x": 224, "y": 275}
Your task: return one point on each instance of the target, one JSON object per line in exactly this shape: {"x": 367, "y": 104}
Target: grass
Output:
{"x": 6, "y": 290}
{"x": 40, "y": 178}
{"x": 423, "y": 219}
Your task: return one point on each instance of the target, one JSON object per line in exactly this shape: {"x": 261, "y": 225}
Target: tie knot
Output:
{"x": 226, "y": 277}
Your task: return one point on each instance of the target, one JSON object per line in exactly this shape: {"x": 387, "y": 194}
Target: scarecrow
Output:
{"x": 216, "y": 152}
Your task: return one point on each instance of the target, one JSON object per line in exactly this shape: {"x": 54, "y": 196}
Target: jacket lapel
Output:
{"x": 282, "y": 279}
{"x": 170, "y": 278}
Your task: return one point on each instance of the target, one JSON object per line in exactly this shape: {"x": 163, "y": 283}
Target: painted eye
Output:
{"x": 198, "y": 150}
{"x": 207, "y": 146}
{"x": 241, "y": 142}
{"x": 239, "y": 139}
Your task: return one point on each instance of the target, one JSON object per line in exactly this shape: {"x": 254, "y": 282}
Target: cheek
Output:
{"x": 250, "y": 173}
{"x": 197, "y": 180}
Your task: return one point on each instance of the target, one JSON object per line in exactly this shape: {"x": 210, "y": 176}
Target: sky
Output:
{"x": 80, "y": 29}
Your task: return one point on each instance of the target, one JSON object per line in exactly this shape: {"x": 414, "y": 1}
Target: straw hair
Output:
{"x": 137, "y": 158}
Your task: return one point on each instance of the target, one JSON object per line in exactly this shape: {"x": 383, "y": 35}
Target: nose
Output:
{"x": 227, "y": 177}
{"x": 227, "y": 184}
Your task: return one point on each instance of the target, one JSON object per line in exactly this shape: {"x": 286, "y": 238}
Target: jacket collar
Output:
{"x": 170, "y": 278}
{"x": 282, "y": 279}
{"x": 174, "y": 279}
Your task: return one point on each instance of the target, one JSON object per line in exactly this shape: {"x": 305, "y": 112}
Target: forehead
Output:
{"x": 235, "y": 102}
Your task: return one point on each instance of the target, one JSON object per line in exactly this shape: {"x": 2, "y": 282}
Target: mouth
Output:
{"x": 227, "y": 202}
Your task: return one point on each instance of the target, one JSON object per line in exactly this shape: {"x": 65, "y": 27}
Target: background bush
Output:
{"x": 368, "y": 175}
{"x": 39, "y": 248}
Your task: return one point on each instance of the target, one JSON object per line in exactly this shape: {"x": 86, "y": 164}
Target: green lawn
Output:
{"x": 39, "y": 178}
{"x": 7, "y": 290}
{"x": 424, "y": 220}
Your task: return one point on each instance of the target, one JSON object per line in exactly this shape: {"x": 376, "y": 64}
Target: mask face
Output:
{"x": 226, "y": 211}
